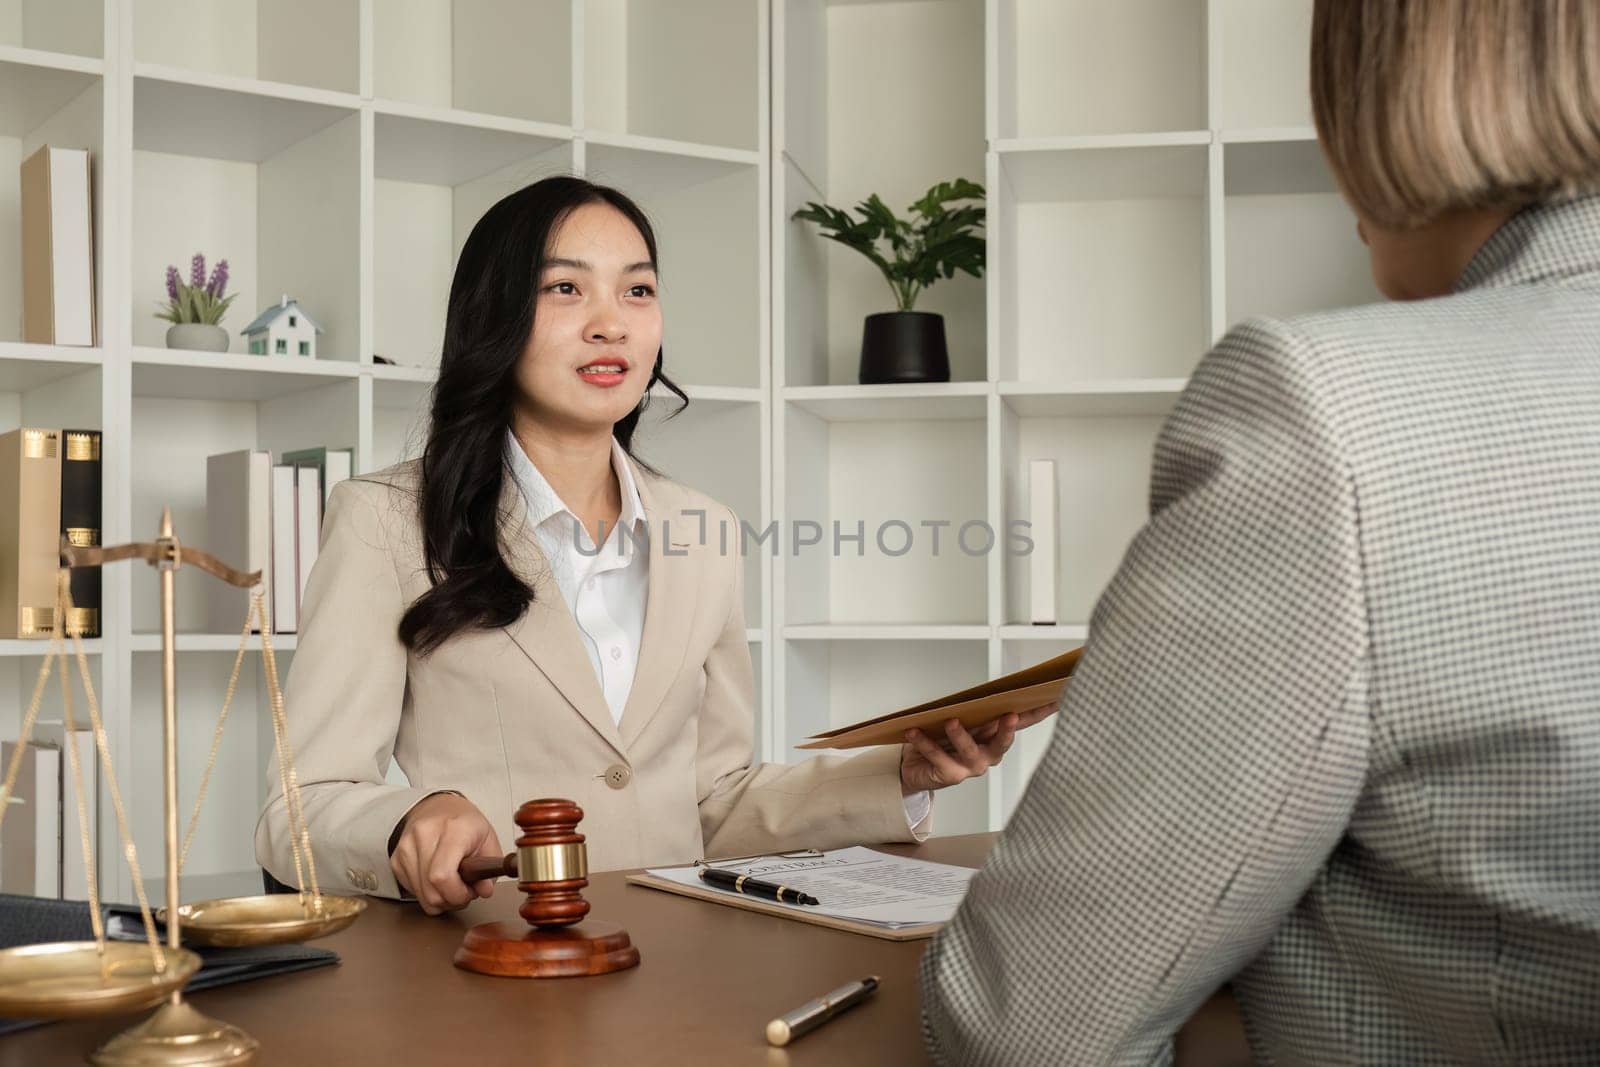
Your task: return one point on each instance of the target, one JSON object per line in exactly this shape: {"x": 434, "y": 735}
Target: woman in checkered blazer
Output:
{"x": 1335, "y": 738}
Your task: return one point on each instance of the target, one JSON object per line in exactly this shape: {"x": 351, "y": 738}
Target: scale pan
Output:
{"x": 64, "y": 979}
{"x": 272, "y": 919}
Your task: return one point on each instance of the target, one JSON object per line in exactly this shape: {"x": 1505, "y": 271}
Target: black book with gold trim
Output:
{"x": 80, "y": 523}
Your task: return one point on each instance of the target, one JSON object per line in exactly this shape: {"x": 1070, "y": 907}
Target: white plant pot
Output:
{"x": 200, "y": 336}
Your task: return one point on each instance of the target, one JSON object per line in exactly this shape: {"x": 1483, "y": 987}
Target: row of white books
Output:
{"x": 41, "y": 843}
{"x": 265, "y": 516}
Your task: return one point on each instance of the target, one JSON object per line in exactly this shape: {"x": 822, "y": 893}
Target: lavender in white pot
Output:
{"x": 195, "y": 308}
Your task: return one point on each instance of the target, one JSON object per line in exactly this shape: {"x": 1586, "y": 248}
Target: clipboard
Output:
{"x": 767, "y": 907}
{"x": 1028, "y": 688}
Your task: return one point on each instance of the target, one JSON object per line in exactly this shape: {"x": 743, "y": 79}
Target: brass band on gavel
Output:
{"x": 552, "y": 863}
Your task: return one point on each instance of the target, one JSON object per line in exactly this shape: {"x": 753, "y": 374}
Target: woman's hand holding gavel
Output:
{"x": 441, "y": 836}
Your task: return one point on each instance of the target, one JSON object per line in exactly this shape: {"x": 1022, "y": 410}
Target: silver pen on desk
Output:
{"x": 813, "y": 1013}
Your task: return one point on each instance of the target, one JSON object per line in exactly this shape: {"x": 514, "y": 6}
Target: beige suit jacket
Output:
{"x": 508, "y": 715}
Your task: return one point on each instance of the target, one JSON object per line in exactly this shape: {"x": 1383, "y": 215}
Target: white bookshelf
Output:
{"x": 1152, "y": 177}
{"x": 340, "y": 151}
{"x": 1144, "y": 192}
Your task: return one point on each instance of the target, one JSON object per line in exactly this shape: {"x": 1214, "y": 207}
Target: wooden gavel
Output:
{"x": 551, "y": 863}
{"x": 551, "y": 866}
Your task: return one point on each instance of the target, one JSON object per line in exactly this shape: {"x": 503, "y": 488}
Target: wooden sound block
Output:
{"x": 551, "y": 866}
{"x": 590, "y": 947}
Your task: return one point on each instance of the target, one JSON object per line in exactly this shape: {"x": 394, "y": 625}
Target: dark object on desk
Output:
{"x": 270, "y": 884}
{"x": 743, "y": 883}
{"x": 551, "y": 865}
{"x": 813, "y": 1013}
{"x": 28, "y": 920}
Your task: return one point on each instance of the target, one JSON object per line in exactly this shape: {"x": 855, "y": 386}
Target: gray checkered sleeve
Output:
{"x": 1209, "y": 751}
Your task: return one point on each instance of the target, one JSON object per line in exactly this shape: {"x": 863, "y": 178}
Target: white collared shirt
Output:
{"x": 607, "y": 590}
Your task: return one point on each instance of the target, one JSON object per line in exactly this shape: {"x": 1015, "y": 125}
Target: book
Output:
{"x": 239, "y": 533}
{"x": 1042, "y": 525}
{"x": 80, "y": 524}
{"x": 285, "y": 568}
{"x": 30, "y": 840}
{"x": 333, "y": 465}
{"x": 308, "y": 526}
{"x": 30, "y": 531}
{"x": 74, "y": 874}
{"x": 57, "y": 248}
{"x": 1018, "y": 691}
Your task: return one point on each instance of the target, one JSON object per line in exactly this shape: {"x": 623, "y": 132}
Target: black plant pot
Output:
{"x": 904, "y": 346}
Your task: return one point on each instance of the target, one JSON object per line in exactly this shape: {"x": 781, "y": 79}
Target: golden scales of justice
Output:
{"x": 84, "y": 978}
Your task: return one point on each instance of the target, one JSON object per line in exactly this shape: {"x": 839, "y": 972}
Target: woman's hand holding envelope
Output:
{"x": 935, "y": 762}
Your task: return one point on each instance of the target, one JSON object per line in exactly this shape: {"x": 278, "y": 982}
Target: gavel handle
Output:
{"x": 477, "y": 868}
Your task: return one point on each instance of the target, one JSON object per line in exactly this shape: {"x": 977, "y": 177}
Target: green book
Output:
{"x": 333, "y": 465}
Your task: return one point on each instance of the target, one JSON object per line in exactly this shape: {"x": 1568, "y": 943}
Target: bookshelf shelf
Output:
{"x": 61, "y": 32}
{"x": 1119, "y": 230}
{"x": 294, "y": 42}
{"x": 200, "y": 642}
{"x": 238, "y": 87}
{"x": 13, "y": 648}
{"x": 224, "y": 118}
{"x": 1026, "y": 632}
{"x": 693, "y": 162}
{"x": 861, "y": 403}
{"x": 708, "y": 214}
{"x": 1104, "y": 458}
{"x": 432, "y": 181}
{"x": 1021, "y": 146}
{"x": 1091, "y": 399}
{"x": 645, "y": 74}
{"x": 232, "y": 376}
{"x": 885, "y": 632}
{"x": 1280, "y": 199}
{"x": 32, "y": 89}
{"x": 1255, "y": 80}
{"x": 834, "y": 682}
{"x": 450, "y": 148}
{"x": 25, "y": 367}
{"x": 513, "y": 60}
{"x": 400, "y": 374}
{"x": 1267, "y": 133}
{"x": 400, "y": 399}
{"x": 281, "y": 181}
{"x": 45, "y": 98}
{"x": 1083, "y": 67}
{"x": 714, "y": 395}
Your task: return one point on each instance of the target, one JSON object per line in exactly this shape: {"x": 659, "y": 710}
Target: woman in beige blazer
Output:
{"x": 461, "y": 621}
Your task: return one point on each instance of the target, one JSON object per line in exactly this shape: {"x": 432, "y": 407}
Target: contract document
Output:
{"x": 858, "y": 887}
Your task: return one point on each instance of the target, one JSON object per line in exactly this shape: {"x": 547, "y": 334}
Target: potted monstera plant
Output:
{"x": 943, "y": 235}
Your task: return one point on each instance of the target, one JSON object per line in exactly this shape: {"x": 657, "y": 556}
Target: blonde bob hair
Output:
{"x": 1429, "y": 106}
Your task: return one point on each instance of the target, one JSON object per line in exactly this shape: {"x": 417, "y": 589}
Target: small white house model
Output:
{"x": 283, "y": 330}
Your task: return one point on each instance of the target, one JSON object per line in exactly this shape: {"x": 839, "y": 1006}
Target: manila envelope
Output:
{"x": 1040, "y": 684}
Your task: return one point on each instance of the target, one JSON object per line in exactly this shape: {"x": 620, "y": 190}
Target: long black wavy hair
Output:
{"x": 487, "y": 326}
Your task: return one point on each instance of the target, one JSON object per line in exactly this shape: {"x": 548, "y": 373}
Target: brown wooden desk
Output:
{"x": 709, "y": 980}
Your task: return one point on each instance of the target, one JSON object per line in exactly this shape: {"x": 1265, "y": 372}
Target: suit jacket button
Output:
{"x": 617, "y": 776}
{"x": 350, "y": 873}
